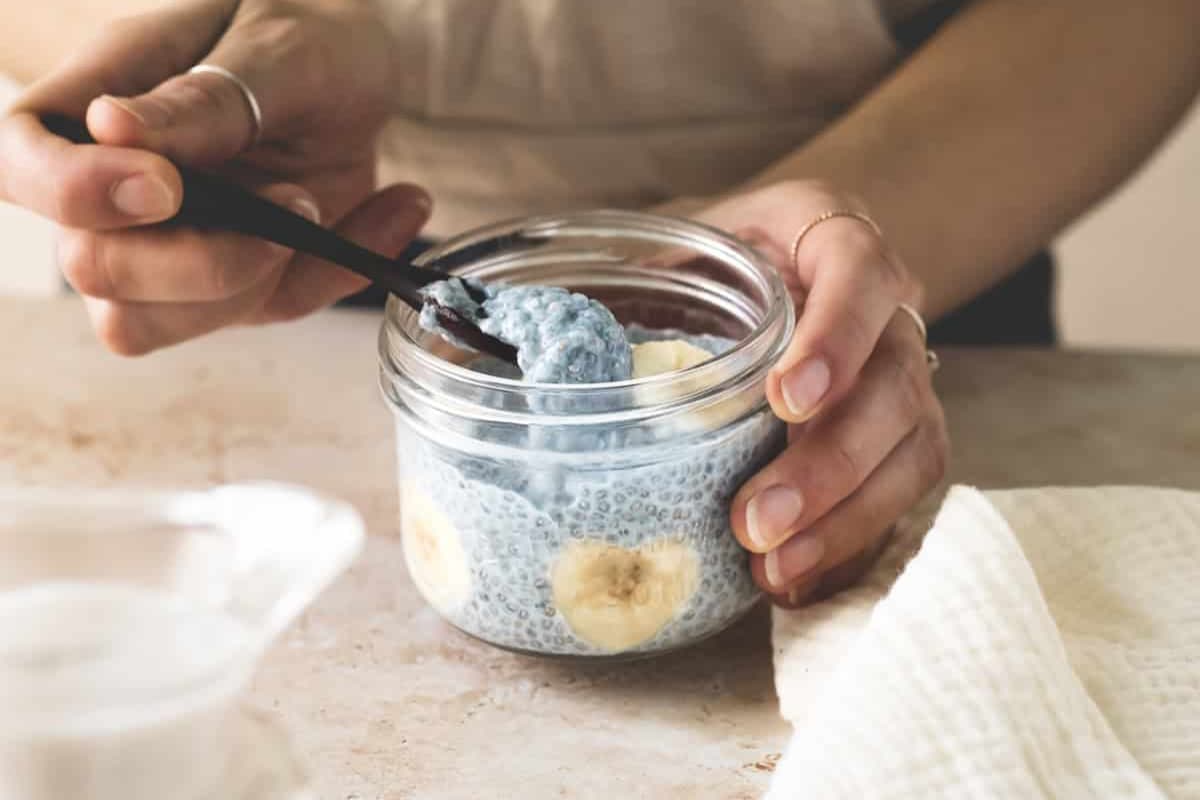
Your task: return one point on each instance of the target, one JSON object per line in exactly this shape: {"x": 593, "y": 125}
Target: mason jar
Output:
{"x": 589, "y": 520}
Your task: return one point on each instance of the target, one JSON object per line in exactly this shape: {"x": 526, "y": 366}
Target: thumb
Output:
{"x": 194, "y": 118}
{"x": 208, "y": 117}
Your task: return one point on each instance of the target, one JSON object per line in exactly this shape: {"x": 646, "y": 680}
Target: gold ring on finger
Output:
{"x": 825, "y": 216}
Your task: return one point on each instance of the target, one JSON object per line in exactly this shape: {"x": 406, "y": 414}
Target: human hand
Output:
{"x": 324, "y": 78}
{"x": 867, "y": 437}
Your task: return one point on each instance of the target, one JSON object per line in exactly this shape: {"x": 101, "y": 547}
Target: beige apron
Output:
{"x": 512, "y": 107}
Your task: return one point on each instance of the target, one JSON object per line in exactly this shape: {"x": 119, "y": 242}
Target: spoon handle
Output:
{"x": 211, "y": 202}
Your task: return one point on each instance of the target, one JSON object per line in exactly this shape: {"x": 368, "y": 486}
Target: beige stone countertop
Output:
{"x": 384, "y": 701}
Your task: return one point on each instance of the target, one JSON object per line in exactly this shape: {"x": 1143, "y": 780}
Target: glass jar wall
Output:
{"x": 590, "y": 520}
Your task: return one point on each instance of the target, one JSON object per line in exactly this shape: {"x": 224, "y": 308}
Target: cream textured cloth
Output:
{"x": 511, "y": 107}
{"x": 1042, "y": 643}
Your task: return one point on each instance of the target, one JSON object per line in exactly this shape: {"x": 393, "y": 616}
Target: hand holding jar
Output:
{"x": 584, "y": 519}
{"x": 867, "y": 437}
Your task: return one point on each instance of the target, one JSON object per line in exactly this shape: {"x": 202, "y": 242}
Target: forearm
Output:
{"x": 1015, "y": 118}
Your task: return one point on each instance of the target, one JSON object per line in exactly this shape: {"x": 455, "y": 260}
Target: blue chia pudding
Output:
{"x": 625, "y": 550}
{"x": 560, "y": 336}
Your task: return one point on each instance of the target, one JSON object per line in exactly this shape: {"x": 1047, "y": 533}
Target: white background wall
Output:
{"x": 26, "y": 266}
{"x": 26, "y": 242}
{"x": 1130, "y": 269}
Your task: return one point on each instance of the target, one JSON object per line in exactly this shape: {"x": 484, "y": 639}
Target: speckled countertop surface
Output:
{"x": 385, "y": 702}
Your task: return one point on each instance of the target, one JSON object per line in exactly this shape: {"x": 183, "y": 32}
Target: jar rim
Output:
{"x": 468, "y": 253}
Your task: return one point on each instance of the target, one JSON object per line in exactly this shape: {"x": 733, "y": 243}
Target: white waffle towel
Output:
{"x": 1042, "y": 643}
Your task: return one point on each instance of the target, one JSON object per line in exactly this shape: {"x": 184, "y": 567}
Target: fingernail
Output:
{"x": 799, "y": 594}
{"x": 792, "y": 560}
{"x": 771, "y": 513}
{"x": 771, "y": 569}
{"x": 404, "y": 227}
{"x": 150, "y": 120}
{"x": 804, "y": 386}
{"x": 306, "y": 208}
{"x": 144, "y": 197}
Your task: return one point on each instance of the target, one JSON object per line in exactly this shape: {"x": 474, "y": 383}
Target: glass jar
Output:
{"x": 589, "y": 520}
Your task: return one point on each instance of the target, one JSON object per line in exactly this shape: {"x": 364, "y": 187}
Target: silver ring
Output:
{"x": 247, "y": 93}
{"x": 931, "y": 358}
{"x": 918, "y": 319}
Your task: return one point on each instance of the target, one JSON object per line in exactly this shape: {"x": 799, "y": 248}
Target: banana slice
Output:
{"x": 654, "y": 358}
{"x": 616, "y": 598}
{"x": 433, "y": 552}
{"x": 671, "y": 355}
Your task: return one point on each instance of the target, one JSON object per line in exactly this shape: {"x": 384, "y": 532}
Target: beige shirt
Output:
{"x": 512, "y": 107}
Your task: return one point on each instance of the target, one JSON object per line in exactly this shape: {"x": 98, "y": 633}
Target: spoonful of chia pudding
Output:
{"x": 560, "y": 336}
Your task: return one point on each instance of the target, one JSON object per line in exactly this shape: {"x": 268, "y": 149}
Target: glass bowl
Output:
{"x": 130, "y": 622}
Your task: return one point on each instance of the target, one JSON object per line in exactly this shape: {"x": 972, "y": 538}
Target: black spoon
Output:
{"x": 215, "y": 203}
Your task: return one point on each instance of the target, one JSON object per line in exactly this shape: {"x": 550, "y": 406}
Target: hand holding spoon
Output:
{"x": 214, "y": 203}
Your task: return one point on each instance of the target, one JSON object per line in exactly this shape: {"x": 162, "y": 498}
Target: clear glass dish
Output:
{"x": 130, "y": 622}
{"x": 590, "y": 520}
